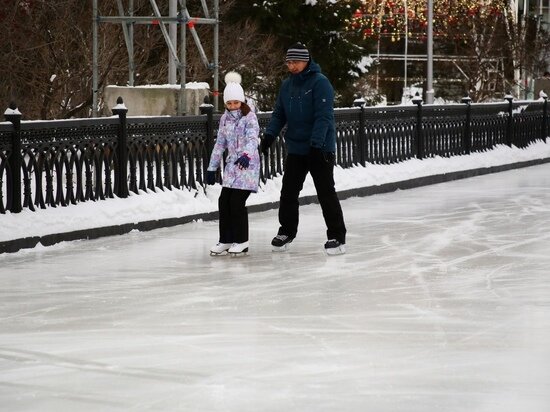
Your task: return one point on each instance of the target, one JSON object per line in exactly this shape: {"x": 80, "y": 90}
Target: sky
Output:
{"x": 179, "y": 203}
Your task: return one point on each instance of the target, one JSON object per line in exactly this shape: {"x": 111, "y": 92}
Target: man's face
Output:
{"x": 295, "y": 66}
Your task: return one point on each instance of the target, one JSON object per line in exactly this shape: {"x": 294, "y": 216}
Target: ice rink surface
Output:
{"x": 442, "y": 303}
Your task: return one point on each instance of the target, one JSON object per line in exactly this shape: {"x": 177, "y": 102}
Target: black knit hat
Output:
{"x": 297, "y": 52}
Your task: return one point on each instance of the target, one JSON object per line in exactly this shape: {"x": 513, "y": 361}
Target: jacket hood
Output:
{"x": 312, "y": 67}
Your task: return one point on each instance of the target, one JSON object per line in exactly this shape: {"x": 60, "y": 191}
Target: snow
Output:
{"x": 365, "y": 63}
{"x": 189, "y": 85}
{"x": 10, "y": 111}
{"x": 178, "y": 203}
{"x": 120, "y": 106}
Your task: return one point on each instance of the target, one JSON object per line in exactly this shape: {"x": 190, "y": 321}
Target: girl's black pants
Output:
{"x": 233, "y": 215}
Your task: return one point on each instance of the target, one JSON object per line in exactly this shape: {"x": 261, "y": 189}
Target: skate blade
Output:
{"x": 239, "y": 254}
{"x": 283, "y": 248}
{"x": 218, "y": 254}
{"x": 340, "y": 250}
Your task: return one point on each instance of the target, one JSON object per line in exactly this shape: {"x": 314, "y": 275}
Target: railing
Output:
{"x": 58, "y": 163}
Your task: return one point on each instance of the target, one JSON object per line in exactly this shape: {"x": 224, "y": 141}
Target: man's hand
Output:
{"x": 266, "y": 143}
{"x": 317, "y": 155}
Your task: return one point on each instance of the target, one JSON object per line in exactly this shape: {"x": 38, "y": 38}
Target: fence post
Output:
{"x": 361, "y": 137}
{"x": 13, "y": 115}
{"x": 467, "y": 137}
{"x": 121, "y": 173}
{"x": 509, "y": 130}
{"x": 208, "y": 109}
{"x": 419, "y": 139}
{"x": 543, "y": 131}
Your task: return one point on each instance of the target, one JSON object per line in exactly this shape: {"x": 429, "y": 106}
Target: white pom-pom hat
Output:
{"x": 233, "y": 89}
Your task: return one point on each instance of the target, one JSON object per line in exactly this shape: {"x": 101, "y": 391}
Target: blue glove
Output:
{"x": 210, "y": 177}
{"x": 243, "y": 161}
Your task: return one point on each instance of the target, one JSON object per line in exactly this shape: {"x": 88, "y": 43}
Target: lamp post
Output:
{"x": 429, "y": 83}
{"x": 406, "y": 47}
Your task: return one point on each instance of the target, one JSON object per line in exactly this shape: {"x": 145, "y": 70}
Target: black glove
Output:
{"x": 317, "y": 155}
{"x": 210, "y": 177}
{"x": 243, "y": 161}
{"x": 267, "y": 141}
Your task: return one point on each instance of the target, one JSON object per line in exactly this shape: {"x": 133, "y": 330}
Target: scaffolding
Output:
{"x": 179, "y": 17}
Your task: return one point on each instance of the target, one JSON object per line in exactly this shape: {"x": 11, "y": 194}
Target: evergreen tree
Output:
{"x": 321, "y": 25}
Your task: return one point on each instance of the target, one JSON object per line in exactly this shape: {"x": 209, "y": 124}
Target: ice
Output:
{"x": 442, "y": 303}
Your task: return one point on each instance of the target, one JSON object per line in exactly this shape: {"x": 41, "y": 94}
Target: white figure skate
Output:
{"x": 220, "y": 249}
{"x": 238, "y": 249}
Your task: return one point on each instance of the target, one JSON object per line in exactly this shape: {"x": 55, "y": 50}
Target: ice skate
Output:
{"x": 220, "y": 249}
{"x": 334, "y": 247}
{"x": 280, "y": 243}
{"x": 238, "y": 249}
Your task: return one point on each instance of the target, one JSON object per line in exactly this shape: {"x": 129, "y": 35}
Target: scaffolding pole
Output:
{"x": 181, "y": 19}
{"x": 94, "y": 62}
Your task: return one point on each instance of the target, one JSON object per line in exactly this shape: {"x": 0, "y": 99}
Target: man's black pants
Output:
{"x": 321, "y": 169}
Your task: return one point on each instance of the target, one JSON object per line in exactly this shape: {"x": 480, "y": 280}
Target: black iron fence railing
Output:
{"x": 58, "y": 163}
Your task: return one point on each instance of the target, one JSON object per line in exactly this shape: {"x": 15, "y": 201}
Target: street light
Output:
{"x": 406, "y": 46}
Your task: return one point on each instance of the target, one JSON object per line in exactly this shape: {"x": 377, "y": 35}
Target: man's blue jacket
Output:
{"x": 306, "y": 105}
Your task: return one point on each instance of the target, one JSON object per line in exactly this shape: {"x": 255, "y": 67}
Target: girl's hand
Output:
{"x": 243, "y": 161}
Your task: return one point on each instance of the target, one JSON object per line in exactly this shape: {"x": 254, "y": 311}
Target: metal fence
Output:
{"x": 59, "y": 163}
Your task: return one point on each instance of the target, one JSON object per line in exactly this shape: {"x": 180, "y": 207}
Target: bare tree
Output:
{"x": 46, "y": 54}
{"x": 47, "y": 58}
{"x": 528, "y": 46}
{"x": 480, "y": 38}
{"x": 243, "y": 48}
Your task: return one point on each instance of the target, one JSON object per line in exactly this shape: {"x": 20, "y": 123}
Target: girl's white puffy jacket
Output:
{"x": 238, "y": 134}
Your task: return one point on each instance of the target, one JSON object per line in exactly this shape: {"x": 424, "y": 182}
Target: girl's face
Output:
{"x": 233, "y": 104}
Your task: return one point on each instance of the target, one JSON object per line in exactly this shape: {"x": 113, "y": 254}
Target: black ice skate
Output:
{"x": 281, "y": 243}
{"x": 334, "y": 247}
{"x": 238, "y": 249}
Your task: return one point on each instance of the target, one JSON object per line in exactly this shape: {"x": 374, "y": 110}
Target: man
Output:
{"x": 305, "y": 105}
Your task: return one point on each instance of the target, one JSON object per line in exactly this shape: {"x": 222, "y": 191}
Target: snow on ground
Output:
{"x": 178, "y": 203}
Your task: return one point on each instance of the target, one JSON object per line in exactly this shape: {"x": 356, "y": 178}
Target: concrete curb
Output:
{"x": 15, "y": 245}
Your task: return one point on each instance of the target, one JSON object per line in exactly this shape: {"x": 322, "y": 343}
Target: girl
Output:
{"x": 238, "y": 133}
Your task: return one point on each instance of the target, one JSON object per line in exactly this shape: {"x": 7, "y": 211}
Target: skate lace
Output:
{"x": 281, "y": 237}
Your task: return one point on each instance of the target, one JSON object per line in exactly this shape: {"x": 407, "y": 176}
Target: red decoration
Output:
{"x": 388, "y": 16}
